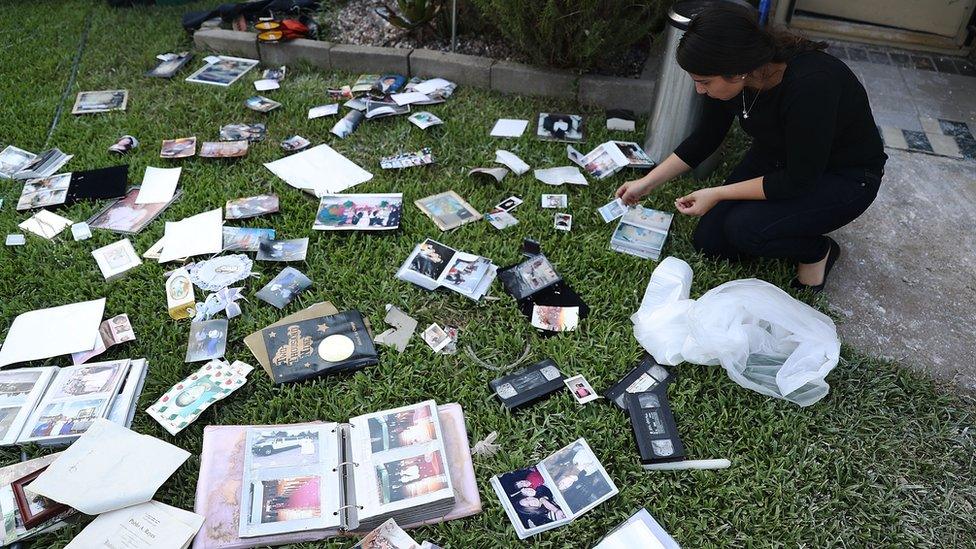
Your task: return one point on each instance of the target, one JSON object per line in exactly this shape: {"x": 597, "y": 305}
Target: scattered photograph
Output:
{"x": 40, "y": 193}
{"x": 97, "y": 378}
{"x": 431, "y": 259}
{"x": 448, "y": 210}
{"x": 252, "y": 206}
{"x": 261, "y": 104}
{"x": 127, "y": 217}
{"x": 286, "y": 499}
{"x": 223, "y": 149}
{"x": 323, "y": 110}
{"x": 581, "y": 389}
{"x": 612, "y": 210}
{"x": 178, "y": 148}
{"x": 560, "y": 127}
{"x": 125, "y": 144}
{"x": 536, "y": 273}
{"x": 283, "y": 250}
{"x": 555, "y": 319}
{"x": 66, "y": 418}
{"x": 365, "y": 212}
{"x": 388, "y": 84}
{"x": 381, "y": 109}
{"x": 45, "y": 224}
{"x": 208, "y": 340}
{"x": 347, "y": 124}
{"x": 579, "y": 477}
{"x": 529, "y": 498}
{"x": 224, "y": 72}
{"x": 295, "y": 143}
{"x": 509, "y": 203}
{"x": 563, "y": 221}
{"x": 388, "y": 535}
{"x": 554, "y": 201}
{"x": 100, "y": 101}
{"x": 632, "y": 234}
{"x": 411, "y": 477}
{"x": 284, "y": 288}
{"x": 13, "y": 159}
{"x": 436, "y": 337}
{"x": 285, "y": 447}
{"x": 500, "y": 219}
{"x": 169, "y": 64}
{"x": 364, "y": 83}
{"x": 636, "y": 157}
{"x": 407, "y": 160}
{"x": 238, "y": 132}
{"x": 277, "y": 74}
{"x": 244, "y": 239}
{"x": 424, "y": 120}
{"x": 399, "y": 429}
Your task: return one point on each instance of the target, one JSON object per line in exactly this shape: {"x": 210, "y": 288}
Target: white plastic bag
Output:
{"x": 766, "y": 340}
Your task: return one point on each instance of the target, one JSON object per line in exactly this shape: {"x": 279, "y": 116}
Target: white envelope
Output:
{"x": 158, "y": 185}
{"x": 320, "y": 169}
{"x": 109, "y": 467}
{"x": 56, "y": 331}
{"x": 196, "y": 235}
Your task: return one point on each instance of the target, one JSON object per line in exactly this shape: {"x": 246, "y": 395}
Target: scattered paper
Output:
{"x": 500, "y": 219}
{"x": 560, "y": 175}
{"x": 46, "y": 224}
{"x": 507, "y": 127}
{"x": 16, "y": 240}
{"x": 409, "y": 98}
{"x": 81, "y": 231}
{"x": 150, "y": 525}
{"x": 320, "y": 169}
{"x": 158, "y": 185}
{"x": 113, "y": 331}
{"x": 497, "y": 173}
{"x": 432, "y": 85}
{"x": 56, "y": 331}
{"x": 266, "y": 84}
{"x": 403, "y": 328}
{"x": 323, "y": 110}
{"x": 513, "y": 162}
{"x": 197, "y": 235}
{"x": 108, "y": 468}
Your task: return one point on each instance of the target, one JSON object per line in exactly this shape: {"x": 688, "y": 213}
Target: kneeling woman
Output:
{"x": 816, "y": 159}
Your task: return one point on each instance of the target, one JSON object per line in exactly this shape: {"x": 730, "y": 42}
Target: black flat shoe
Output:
{"x": 832, "y": 256}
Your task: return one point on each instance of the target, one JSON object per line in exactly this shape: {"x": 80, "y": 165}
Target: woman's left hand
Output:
{"x": 698, "y": 203}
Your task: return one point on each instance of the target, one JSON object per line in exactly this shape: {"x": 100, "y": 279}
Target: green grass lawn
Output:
{"x": 886, "y": 459}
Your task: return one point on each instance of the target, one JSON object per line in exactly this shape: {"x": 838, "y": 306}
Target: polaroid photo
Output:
{"x": 347, "y": 124}
{"x": 42, "y": 193}
{"x": 223, "y": 149}
{"x": 244, "y": 239}
{"x": 436, "y": 337}
{"x": 251, "y": 206}
{"x": 500, "y": 219}
{"x": 551, "y": 201}
{"x": 80, "y": 231}
{"x": 283, "y": 250}
{"x": 178, "y": 148}
{"x": 13, "y": 159}
{"x": 612, "y": 210}
{"x": 422, "y": 157}
{"x": 323, "y": 110}
{"x": 238, "y": 132}
{"x": 261, "y": 104}
{"x": 100, "y": 101}
{"x": 284, "y": 288}
{"x": 208, "y": 340}
{"x": 563, "y": 222}
{"x": 223, "y": 72}
{"x": 295, "y": 143}
{"x": 508, "y": 127}
{"x": 448, "y": 210}
{"x": 581, "y": 389}
{"x": 555, "y": 319}
{"x": 359, "y": 212}
{"x": 388, "y": 535}
{"x": 46, "y": 224}
{"x": 125, "y": 216}
{"x": 560, "y": 127}
{"x": 509, "y": 203}
{"x": 15, "y": 240}
{"x": 424, "y": 120}
{"x": 116, "y": 259}
{"x": 169, "y": 64}
{"x": 125, "y": 144}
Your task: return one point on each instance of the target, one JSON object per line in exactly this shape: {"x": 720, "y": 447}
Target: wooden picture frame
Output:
{"x": 31, "y": 518}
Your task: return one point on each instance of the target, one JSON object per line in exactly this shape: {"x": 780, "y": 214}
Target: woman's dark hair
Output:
{"x": 728, "y": 40}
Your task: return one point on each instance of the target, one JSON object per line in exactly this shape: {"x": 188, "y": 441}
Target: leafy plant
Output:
{"x": 412, "y": 14}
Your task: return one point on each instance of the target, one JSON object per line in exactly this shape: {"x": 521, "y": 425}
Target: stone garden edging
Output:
{"x": 607, "y": 92}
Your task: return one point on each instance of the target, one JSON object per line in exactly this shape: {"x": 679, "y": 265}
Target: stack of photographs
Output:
{"x": 432, "y": 265}
{"x": 53, "y": 406}
{"x": 611, "y": 157}
{"x": 20, "y": 164}
{"x": 359, "y": 212}
{"x": 555, "y": 491}
{"x": 642, "y": 232}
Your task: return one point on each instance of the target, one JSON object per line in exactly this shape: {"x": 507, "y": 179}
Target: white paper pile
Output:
{"x": 320, "y": 170}
{"x": 196, "y": 235}
{"x": 560, "y": 175}
{"x": 158, "y": 185}
{"x": 56, "y": 331}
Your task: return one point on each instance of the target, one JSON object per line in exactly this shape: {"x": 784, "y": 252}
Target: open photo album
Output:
{"x": 53, "y": 406}
{"x": 610, "y": 157}
{"x": 432, "y": 265}
{"x": 356, "y": 475}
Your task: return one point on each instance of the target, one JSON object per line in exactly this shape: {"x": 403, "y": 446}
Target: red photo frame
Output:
{"x": 51, "y": 509}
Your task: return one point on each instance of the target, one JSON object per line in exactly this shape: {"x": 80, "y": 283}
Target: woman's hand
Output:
{"x": 699, "y": 202}
{"x": 632, "y": 191}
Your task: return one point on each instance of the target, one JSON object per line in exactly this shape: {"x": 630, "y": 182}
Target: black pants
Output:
{"x": 785, "y": 229}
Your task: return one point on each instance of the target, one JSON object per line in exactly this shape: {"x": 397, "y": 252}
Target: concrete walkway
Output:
{"x": 905, "y": 286}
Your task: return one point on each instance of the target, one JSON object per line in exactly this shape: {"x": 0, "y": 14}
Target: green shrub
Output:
{"x": 579, "y": 34}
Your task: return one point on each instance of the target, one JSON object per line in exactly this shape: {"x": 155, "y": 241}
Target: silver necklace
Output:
{"x": 745, "y": 112}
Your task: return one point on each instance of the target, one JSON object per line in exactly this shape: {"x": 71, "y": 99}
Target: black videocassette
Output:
{"x": 528, "y": 385}
{"x": 654, "y": 427}
{"x": 648, "y": 375}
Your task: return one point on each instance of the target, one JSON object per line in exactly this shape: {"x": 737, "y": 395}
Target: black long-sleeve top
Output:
{"x": 815, "y": 119}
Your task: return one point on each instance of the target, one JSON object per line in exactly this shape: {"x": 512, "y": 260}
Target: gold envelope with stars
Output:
{"x": 318, "y": 346}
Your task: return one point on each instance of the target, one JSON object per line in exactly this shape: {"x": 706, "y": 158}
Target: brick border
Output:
{"x": 607, "y": 92}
